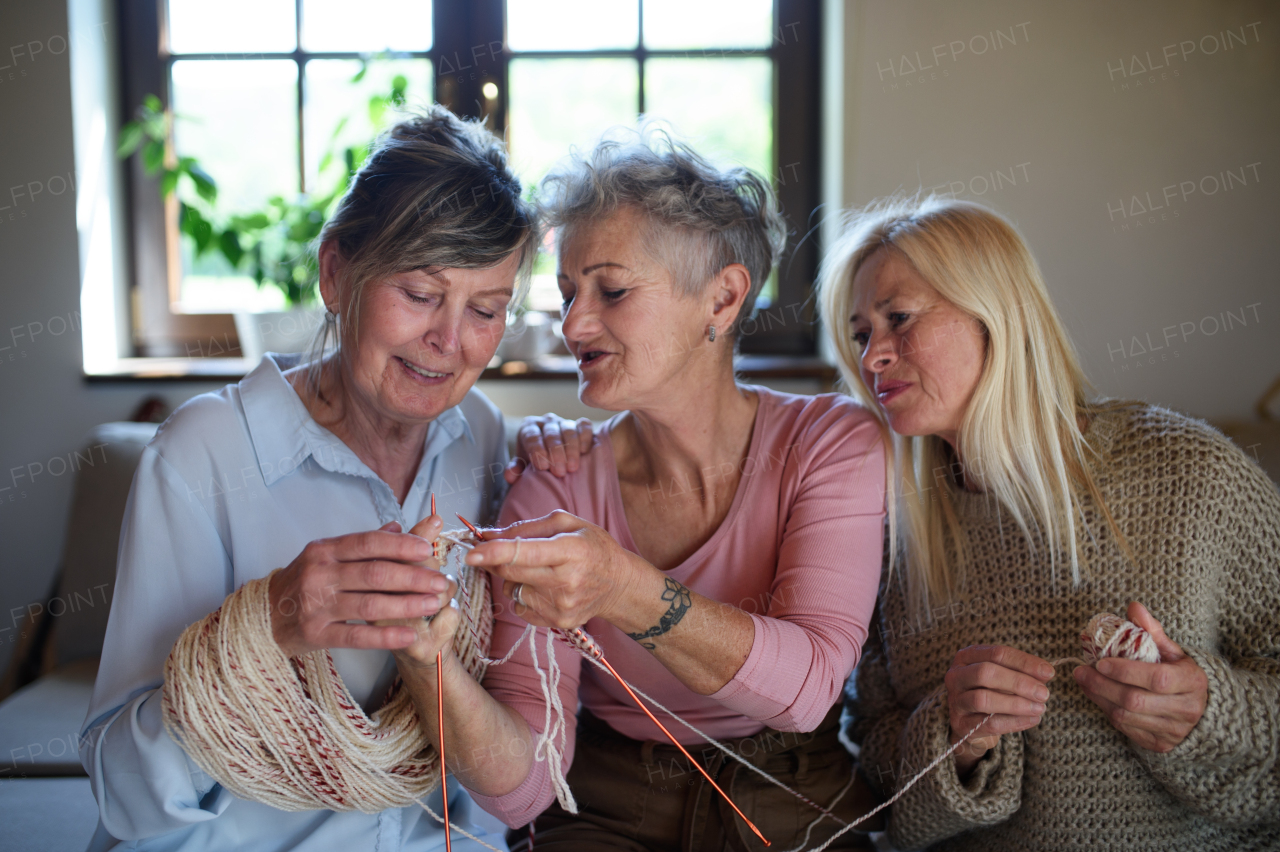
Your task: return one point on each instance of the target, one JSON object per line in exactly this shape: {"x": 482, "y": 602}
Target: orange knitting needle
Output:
{"x": 662, "y": 727}
{"x": 444, "y": 789}
{"x": 683, "y": 751}
{"x": 435, "y": 545}
{"x": 471, "y": 527}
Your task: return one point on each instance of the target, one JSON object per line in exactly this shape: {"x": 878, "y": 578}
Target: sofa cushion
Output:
{"x": 47, "y": 814}
{"x": 88, "y": 567}
{"x": 40, "y": 723}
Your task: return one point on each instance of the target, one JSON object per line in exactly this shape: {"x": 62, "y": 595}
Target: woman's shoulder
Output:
{"x": 827, "y": 420}
{"x": 1144, "y": 439}
{"x": 207, "y": 425}
{"x": 540, "y": 492}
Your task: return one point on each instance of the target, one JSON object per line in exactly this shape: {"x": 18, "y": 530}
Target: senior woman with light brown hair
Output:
{"x": 1020, "y": 508}
{"x": 318, "y": 469}
{"x": 721, "y": 543}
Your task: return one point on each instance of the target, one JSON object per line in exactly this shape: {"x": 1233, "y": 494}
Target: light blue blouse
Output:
{"x": 234, "y": 485}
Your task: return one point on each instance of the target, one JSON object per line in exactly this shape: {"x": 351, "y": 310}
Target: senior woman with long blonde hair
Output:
{"x": 1019, "y": 509}
{"x": 319, "y": 469}
{"x": 722, "y": 543}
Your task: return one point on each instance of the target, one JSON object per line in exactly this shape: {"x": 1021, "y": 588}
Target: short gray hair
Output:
{"x": 702, "y": 218}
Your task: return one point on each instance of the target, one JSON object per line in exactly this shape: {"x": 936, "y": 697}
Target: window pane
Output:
{"x": 723, "y": 106}
{"x": 697, "y": 24}
{"x": 572, "y": 24}
{"x": 232, "y": 26}
{"x": 332, "y": 96}
{"x": 339, "y": 26}
{"x": 238, "y": 118}
{"x": 556, "y": 103}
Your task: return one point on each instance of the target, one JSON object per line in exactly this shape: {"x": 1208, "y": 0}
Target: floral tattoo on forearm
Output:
{"x": 680, "y": 601}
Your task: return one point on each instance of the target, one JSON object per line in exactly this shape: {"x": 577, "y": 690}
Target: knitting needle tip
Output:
{"x": 471, "y": 527}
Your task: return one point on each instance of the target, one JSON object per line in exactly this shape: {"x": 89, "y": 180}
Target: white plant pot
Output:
{"x": 287, "y": 332}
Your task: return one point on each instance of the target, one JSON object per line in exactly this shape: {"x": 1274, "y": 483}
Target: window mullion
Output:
{"x": 301, "y": 62}
{"x": 640, "y": 57}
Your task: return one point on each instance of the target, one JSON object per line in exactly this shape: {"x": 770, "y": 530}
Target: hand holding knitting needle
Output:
{"x": 995, "y": 680}
{"x": 1154, "y": 704}
{"x": 434, "y": 632}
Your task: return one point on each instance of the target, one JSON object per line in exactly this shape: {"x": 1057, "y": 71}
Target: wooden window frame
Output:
{"x": 470, "y": 49}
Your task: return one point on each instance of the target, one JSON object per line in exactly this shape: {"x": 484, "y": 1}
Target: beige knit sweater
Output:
{"x": 1204, "y": 522}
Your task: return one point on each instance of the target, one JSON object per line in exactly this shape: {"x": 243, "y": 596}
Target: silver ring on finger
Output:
{"x": 517, "y": 594}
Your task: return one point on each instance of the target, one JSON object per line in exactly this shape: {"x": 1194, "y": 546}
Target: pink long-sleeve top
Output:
{"x": 799, "y": 552}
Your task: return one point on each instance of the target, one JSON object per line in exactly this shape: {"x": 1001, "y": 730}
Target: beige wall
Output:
{"x": 1044, "y": 111}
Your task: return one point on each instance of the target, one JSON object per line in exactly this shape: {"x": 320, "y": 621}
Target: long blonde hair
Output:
{"x": 1019, "y": 437}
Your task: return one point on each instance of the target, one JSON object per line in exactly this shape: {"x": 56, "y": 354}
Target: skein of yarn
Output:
{"x": 1109, "y": 635}
{"x": 286, "y": 731}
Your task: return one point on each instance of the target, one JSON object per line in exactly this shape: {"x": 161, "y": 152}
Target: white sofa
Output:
{"x": 45, "y": 801}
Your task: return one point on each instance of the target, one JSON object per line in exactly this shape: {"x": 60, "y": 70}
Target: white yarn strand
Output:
{"x": 553, "y": 724}
{"x": 808, "y": 832}
{"x": 456, "y": 827}
{"x": 905, "y": 787}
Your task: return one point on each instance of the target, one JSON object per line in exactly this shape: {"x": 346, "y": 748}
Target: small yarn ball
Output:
{"x": 1110, "y": 635}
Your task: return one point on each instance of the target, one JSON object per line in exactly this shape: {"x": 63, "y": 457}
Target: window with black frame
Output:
{"x": 272, "y": 98}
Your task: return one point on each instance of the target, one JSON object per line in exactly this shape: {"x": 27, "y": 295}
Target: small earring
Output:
{"x": 713, "y": 334}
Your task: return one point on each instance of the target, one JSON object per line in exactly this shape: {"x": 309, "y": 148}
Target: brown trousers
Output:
{"x": 646, "y": 797}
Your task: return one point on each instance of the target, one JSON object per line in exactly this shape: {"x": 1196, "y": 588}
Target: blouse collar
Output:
{"x": 284, "y": 433}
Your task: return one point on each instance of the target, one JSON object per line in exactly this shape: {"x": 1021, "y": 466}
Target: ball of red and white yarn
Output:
{"x": 1109, "y": 635}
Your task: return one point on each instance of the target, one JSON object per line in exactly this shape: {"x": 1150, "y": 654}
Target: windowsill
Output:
{"x": 551, "y": 367}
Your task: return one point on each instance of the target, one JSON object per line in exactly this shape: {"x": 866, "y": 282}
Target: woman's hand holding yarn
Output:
{"x": 571, "y": 570}
{"x": 1154, "y": 704}
{"x": 995, "y": 680}
{"x": 370, "y": 576}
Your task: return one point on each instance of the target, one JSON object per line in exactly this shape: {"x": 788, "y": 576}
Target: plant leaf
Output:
{"x": 192, "y": 223}
{"x": 153, "y": 157}
{"x": 130, "y": 139}
{"x": 252, "y": 222}
{"x": 152, "y": 103}
{"x": 229, "y": 244}
{"x": 205, "y": 185}
{"x": 168, "y": 181}
{"x": 399, "y": 84}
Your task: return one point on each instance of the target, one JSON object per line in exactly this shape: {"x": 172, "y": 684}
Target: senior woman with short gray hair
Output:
{"x": 722, "y": 543}
{"x": 319, "y": 469}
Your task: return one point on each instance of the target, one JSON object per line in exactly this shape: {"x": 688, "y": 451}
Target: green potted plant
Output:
{"x": 275, "y": 244}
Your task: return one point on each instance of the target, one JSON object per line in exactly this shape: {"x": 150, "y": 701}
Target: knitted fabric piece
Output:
{"x": 1204, "y": 523}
